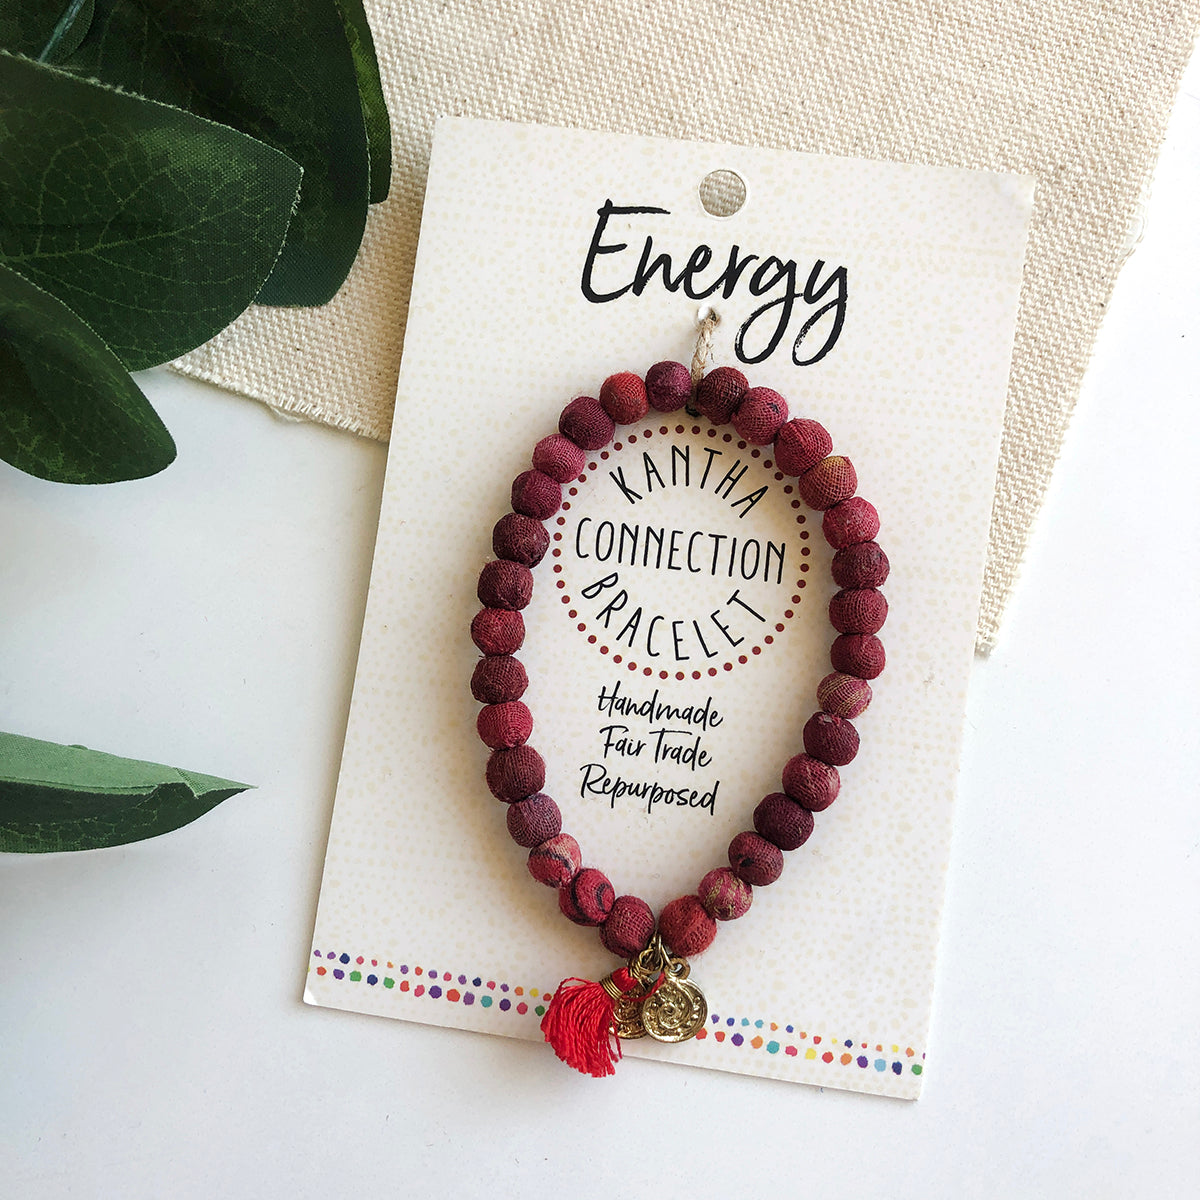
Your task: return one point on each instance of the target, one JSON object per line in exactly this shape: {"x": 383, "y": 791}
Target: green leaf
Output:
{"x": 40, "y": 30}
{"x": 156, "y": 227}
{"x": 279, "y": 70}
{"x": 68, "y": 409}
{"x": 370, "y": 94}
{"x": 71, "y": 798}
{"x": 69, "y": 31}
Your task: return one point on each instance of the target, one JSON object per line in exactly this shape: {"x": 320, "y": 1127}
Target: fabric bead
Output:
{"x": 850, "y": 521}
{"x": 514, "y": 774}
{"x": 498, "y": 678}
{"x": 668, "y": 386}
{"x": 782, "y": 821}
{"x": 863, "y": 565}
{"x": 623, "y": 397}
{"x": 725, "y": 897}
{"x": 858, "y": 654}
{"x": 800, "y": 444}
{"x": 686, "y": 928}
{"x": 559, "y": 458}
{"x": 760, "y": 415}
{"x": 586, "y": 423}
{"x": 719, "y": 394}
{"x": 832, "y": 480}
{"x": 534, "y": 820}
{"x": 556, "y": 861}
{"x": 497, "y": 630}
{"x": 843, "y": 695}
{"x": 628, "y": 927}
{"x": 503, "y": 726}
{"x": 858, "y": 610}
{"x": 755, "y": 860}
{"x": 504, "y": 584}
{"x": 830, "y": 739}
{"x": 535, "y": 494}
{"x": 588, "y": 898}
{"x": 520, "y": 539}
{"x": 813, "y": 784}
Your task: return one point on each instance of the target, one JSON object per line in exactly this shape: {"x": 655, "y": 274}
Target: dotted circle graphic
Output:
{"x": 597, "y": 637}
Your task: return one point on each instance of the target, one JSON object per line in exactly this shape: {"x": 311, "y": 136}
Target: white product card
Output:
{"x": 684, "y": 573}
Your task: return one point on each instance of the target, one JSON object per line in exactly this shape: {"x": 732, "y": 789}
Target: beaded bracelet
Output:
{"x": 652, "y": 995}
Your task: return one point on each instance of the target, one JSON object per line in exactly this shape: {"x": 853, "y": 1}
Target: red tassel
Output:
{"x": 579, "y": 1023}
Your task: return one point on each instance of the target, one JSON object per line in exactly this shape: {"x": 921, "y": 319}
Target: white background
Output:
{"x": 152, "y": 1040}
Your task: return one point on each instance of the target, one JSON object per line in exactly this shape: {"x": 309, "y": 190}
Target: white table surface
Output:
{"x": 152, "y": 1039}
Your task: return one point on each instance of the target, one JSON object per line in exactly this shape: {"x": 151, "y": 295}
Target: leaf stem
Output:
{"x": 60, "y": 30}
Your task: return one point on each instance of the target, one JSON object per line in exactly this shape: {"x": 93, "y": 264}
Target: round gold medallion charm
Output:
{"x": 627, "y": 1018}
{"x": 675, "y": 1012}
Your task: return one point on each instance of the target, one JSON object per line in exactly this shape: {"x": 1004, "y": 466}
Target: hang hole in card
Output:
{"x": 722, "y": 193}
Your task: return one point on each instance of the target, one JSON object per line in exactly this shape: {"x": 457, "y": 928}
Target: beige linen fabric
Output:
{"x": 1075, "y": 92}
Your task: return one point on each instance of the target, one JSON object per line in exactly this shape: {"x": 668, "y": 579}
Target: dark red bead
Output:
{"x": 830, "y": 739}
{"x": 520, "y": 539}
{"x": 504, "y": 584}
{"x": 782, "y": 821}
{"x": 860, "y": 566}
{"x": 811, "y": 783}
{"x": 719, "y": 394}
{"x": 754, "y": 859}
{"x": 514, "y": 774}
{"x": 760, "y": 416}
{"x": 628, "y": 927}
{"x": 801, "y": 444}
{"x": 858, "y": 610}
{"x": 858, "y": 654}
{"x": 497, "y": 630}
{"x": 503, "y": 726}
{"x": 668, "y": 386}
{"x": 586, "y": 423}
{"x": 830, "y": 482}
{"x": 533, "y": 820}
{"x": 850, "y": 521}
{"x": 559, "y": 457}
{"x": 497, "y": 678}
{"x": 535, "y": 494}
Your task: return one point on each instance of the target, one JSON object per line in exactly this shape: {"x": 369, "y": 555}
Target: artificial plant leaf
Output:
{"x": 154, "y": 226}
{"x": 70, "y": 798}
{"x": 279, "y": 70}
{"x": 68, "y": 409}
{"x": 370, "y": 95}
{"x": 41, "y": 30}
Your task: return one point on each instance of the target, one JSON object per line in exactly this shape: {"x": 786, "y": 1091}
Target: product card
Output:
{"x": 678, "y": 627}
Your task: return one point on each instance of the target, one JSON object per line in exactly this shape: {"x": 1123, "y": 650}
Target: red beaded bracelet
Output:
{"x": 652, "y": 994}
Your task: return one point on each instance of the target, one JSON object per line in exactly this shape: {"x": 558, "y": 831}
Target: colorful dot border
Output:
{"x": 530, "y": 1002}
{"x": 881, "y": 1057}
{"x": 425, "y": 981}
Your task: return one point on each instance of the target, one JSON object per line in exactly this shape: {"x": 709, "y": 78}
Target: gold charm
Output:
{"x": 627, "y": 1019}
{"x": 627, "y": 1010}
{"x": 670, "y": 1007}
{"x": 677, "y": 1010}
